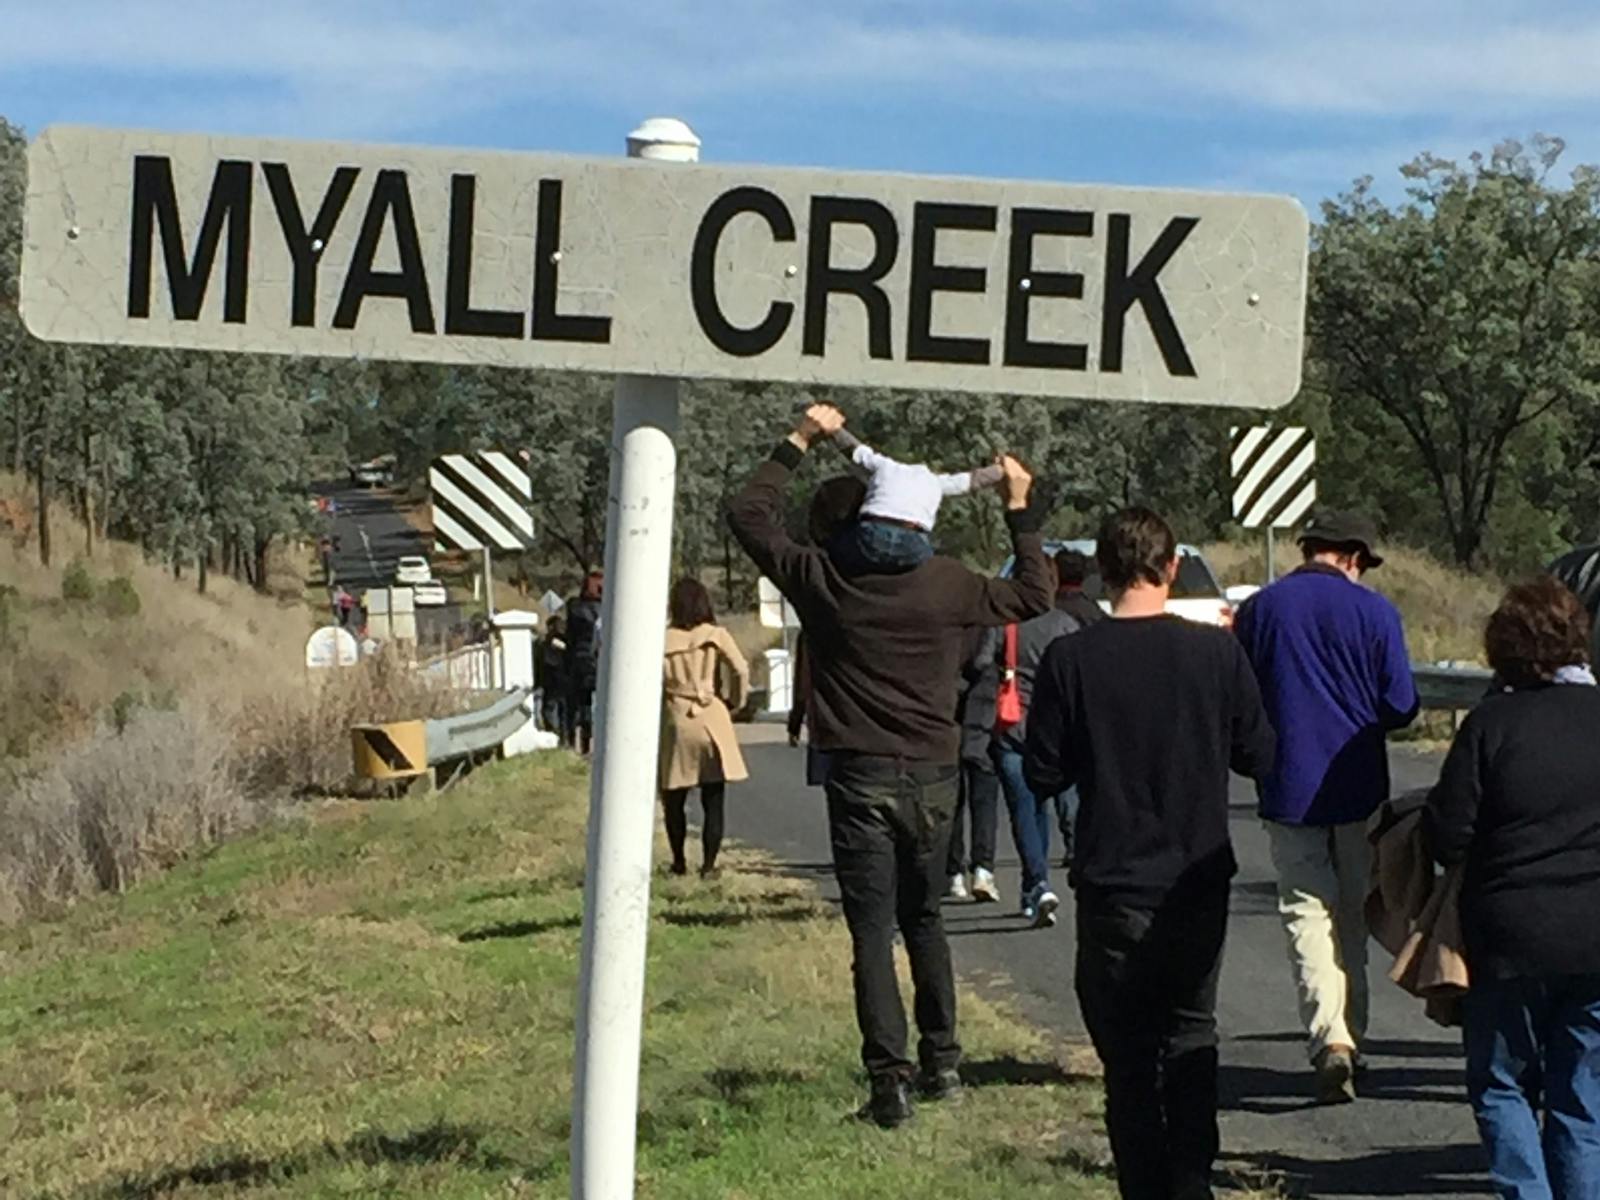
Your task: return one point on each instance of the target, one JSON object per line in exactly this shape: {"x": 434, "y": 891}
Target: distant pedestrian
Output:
{"x": 583, "y": 661}
{"x": 346, "y": 604}
{"x": 1331, "y": 657}
{"x": 705, "y": 680}
{"x": 885, "y": 650}
{"x": 1022, "y": 648}
{"x": 1072, "y": 573}
{"x": 551, "y": 669}
{"x": 978, "y": 802}
{"x": 1517, "y": 807}
{"x": 1146, "y": 713}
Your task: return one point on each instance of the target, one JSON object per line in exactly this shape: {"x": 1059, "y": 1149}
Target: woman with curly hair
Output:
{"x": 1518, "y": 803}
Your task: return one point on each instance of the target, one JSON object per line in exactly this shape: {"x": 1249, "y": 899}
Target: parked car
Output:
{"x": 375, "y": 472}
{"x": 1196, "y": 594}
{"x": 430, "y": 594}
{"x": 413, "y": 569}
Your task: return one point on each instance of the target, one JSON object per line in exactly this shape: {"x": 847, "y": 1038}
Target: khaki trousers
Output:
{"x": 1322, "y": 888}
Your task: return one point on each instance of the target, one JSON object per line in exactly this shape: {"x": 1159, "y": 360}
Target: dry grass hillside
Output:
{"x": 1444, "y": 608}
{"x": 84, "y": 632}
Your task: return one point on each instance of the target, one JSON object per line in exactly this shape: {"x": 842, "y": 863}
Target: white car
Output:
{"x": 413, "y": 569}
{"x": 430, "y": 594}
{"x": 1196, "y": 594}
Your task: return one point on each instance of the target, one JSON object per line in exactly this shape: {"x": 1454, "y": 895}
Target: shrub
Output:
{"x": 76, "y": 583}
{"x": 120, "y": 599}
{"x": 116, "y": 807}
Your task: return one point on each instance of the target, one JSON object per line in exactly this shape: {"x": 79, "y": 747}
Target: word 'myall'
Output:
{"x": 646, "y": 268}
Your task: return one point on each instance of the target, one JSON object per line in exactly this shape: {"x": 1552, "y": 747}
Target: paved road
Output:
{"x": 373, "y": 534}
{"x": 1411, "y": 1135}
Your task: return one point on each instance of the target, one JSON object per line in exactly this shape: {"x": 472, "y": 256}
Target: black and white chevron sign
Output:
{"x": 481, "y": 501}
{"x": 1273, "y": 473}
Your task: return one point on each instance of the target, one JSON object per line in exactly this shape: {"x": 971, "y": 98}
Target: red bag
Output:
{"x": 1008, "y": 701}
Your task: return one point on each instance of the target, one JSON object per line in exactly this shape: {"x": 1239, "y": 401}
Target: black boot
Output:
{"x": 890, "y": 1103}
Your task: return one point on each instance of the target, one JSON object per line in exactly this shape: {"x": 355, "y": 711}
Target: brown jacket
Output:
{"x": 884, "y": 650}
{"x": 697, "y": 739}
{"x": 1413, "y": 914}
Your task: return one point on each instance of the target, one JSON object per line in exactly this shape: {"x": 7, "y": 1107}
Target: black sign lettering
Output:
{"x": 459, "y": 315}
{"x": 1025, "y": 284}
{"x": 928, "y": 277}
{"x": 391, "y": 200}
{"x": 155, "y": 206}
{"x": 305, "y": 247}
{"x": 1142, "y": 285}
{"x": 726, "y": 336}
{"x": 548, "y": 324}
{"x": 823, "y": 279}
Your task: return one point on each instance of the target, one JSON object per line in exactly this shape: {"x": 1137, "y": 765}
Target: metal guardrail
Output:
{"x": 1457, "y": 688}
{"x": 479, "y": 731}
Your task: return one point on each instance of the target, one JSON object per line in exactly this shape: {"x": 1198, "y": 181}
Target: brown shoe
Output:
{"x": 1336, "y": 1075}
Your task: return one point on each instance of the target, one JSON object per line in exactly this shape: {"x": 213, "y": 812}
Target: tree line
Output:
{"x": 1452, "y": 376}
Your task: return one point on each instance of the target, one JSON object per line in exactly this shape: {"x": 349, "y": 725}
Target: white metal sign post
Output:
{"x": 652, "y": 273}
{"x": 616, "y": 886}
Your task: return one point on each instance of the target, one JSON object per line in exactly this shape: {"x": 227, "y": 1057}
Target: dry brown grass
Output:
{"x": 1444, "y": 608}
{"x": 64, "y": 663}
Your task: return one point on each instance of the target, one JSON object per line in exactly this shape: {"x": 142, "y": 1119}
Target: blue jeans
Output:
{"x": 881, "y": 547}
{"x": 1030, "y": 818}
{"x": 1533, "y": 1049}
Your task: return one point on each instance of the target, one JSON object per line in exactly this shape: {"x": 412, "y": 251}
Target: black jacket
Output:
{"x": 1146, "y": 716}
{"x": 1518, "y": 801}
{"x": 583, "y": 641}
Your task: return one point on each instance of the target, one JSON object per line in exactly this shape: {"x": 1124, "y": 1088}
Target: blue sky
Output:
{"x": 1295, "y": 96}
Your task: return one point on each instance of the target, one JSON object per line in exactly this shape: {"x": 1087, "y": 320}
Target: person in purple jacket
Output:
{"x": 1331, "y": 658}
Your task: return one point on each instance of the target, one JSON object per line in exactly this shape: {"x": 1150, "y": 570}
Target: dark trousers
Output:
{"x": 979, "y": 803}
{"x": 1147, "y": 986}
{"x": 579, "y": 716}
{"x": 676, "y": 802}
{"x": 890, "y": 826}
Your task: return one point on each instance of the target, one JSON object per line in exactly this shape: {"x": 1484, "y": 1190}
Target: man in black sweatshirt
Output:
{"x": 1146, "y": 713}
{"x": 885, "y": 648}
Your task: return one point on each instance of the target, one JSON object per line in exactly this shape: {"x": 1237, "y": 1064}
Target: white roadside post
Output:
{"x": 616, "y": 892}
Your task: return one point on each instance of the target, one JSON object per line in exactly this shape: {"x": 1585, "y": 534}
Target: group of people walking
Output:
{"x": 931, "y": 689}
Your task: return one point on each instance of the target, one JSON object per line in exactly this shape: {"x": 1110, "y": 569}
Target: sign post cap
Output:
{"x": 664, "y": 139}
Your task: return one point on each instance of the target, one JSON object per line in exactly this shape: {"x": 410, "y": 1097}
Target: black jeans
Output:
{"x": 890, "y": 825}
{"x": 978, "y": 802}
{"x": 579, "y": 715}
{"x": 1147, "y": 986}
{"x": 676, "y": 802}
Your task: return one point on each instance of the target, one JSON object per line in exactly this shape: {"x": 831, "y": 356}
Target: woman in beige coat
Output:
{"x": 704, "y": 675}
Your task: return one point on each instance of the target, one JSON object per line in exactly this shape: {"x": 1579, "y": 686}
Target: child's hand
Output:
{"x": 821, "y": 420}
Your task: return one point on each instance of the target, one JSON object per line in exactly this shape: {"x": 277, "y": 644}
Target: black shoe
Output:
{"x": 889, "y": 1107}
{"x": 680, "y": 868}
{"x": 939, "y": 1086}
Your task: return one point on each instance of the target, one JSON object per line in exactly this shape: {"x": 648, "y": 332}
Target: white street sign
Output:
{"x": 332, "y": 646}
{"x": 527, "y": 260}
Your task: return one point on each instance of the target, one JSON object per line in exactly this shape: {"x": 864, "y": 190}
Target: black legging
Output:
{"x": 676, "y": 802}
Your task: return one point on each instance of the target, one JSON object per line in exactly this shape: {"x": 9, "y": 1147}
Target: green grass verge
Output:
{"x": 377, "y": 1000}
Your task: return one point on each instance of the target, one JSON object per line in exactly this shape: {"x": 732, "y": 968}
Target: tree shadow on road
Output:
{"x": 1274, "y": 1093}
{"x": 1421, "y": 1171}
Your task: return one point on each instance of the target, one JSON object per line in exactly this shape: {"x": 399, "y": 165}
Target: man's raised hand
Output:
{"x": 820, "y": 420}
{"x": 1016, "y": 482}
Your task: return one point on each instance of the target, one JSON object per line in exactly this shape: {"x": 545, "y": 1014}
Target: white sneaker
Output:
{"x": 984, "y": 888}
{"x": 957, "y": 889}
{"x": 1041, "y": 906}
